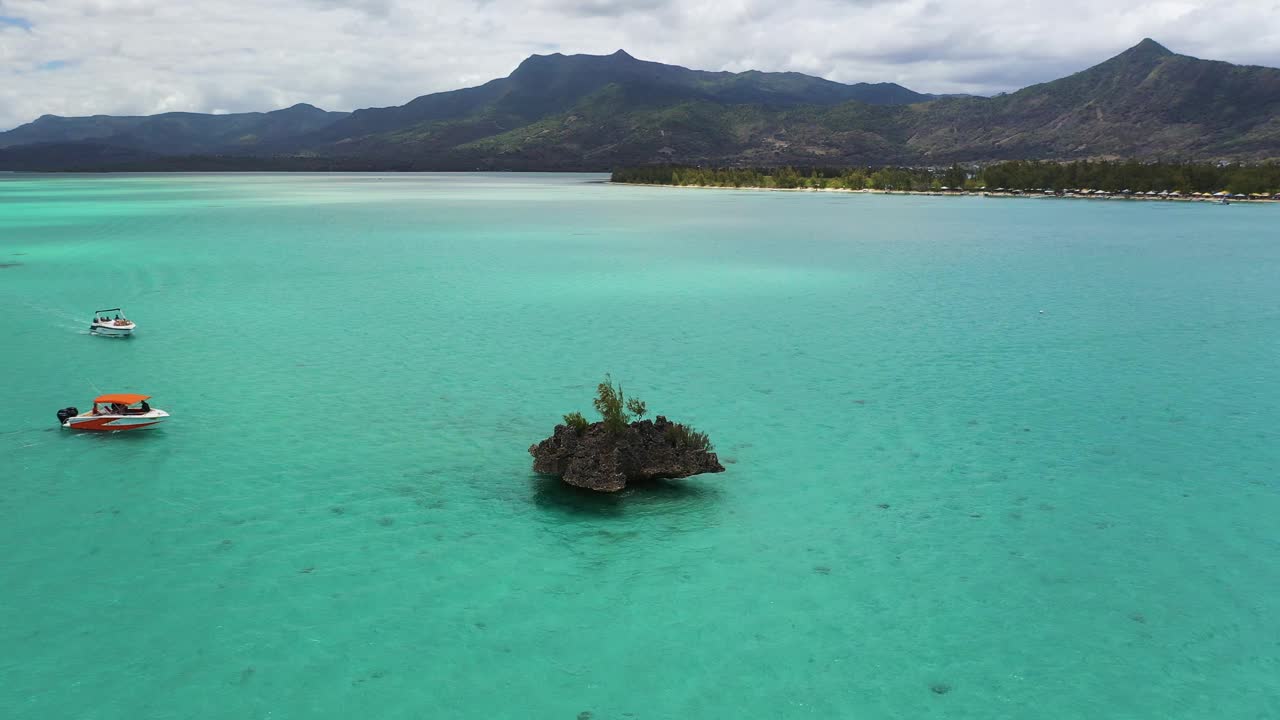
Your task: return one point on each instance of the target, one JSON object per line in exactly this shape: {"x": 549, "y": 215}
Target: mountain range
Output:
{"x": 597, "y": 112}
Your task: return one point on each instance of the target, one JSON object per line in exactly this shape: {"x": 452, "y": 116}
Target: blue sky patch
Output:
{"x": 54, "y": 65}
{"x": 7, "y": 20}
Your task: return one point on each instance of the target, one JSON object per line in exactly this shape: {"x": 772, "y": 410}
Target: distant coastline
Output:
{"x": 1043, "y": 195}
{"x": 1082, "y": 180}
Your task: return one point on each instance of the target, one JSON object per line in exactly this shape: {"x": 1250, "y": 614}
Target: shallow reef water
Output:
{"x": 986, "y": 458}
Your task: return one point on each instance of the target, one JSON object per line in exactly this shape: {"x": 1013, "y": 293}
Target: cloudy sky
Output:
{"x": 80, "y": 57}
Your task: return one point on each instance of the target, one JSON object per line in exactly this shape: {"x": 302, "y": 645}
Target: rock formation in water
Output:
{"x": 592, "y": 457}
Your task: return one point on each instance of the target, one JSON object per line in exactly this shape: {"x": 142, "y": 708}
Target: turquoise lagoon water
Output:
{"x": 940, "y": 501}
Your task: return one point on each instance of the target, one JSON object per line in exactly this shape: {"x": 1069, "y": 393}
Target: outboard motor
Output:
{"x": 67, "y": 412}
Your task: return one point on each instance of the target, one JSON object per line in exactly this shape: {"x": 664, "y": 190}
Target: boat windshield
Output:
{"x": 117, "y": 409}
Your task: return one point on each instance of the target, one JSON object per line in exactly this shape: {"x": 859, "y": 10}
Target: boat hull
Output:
{"x": 116, "y": 423}
{"x": 112, "y": 330}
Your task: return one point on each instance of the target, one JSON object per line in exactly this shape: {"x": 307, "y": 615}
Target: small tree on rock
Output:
{"x": 611, "y": 404}
{"x": 636, "y": 407}
{"x": 616, "y": 409}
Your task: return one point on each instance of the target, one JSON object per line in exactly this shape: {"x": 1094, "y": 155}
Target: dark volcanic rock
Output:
{"x": 596, "y": 460}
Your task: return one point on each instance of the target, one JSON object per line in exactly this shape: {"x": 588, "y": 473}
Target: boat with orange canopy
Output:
{"x": 113, "y": 413}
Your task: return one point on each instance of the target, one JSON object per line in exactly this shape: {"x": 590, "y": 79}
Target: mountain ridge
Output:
{"x": 595, "y": 112}
{"x": 173, "y": 131}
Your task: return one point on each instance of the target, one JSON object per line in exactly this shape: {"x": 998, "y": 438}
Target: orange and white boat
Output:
{"x": 113, "y": 413}
{"x": 104, "y": 324}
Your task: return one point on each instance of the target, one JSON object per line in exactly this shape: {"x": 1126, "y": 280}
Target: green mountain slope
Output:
{"x": 588, "y": 112}
{"x": 1146, "y": 102}
{"x": 546, "y": 85}
{"x": 610, "y": 126}
{"x": 176, "y": 133}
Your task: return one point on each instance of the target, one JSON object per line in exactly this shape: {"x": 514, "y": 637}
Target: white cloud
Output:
{"x": 76, "y": 57}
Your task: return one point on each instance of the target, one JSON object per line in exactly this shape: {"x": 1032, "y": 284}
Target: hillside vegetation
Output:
{"x": 588, "y": 112}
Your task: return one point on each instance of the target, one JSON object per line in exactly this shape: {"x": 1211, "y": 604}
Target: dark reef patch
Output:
{"x": 596, "y": 458}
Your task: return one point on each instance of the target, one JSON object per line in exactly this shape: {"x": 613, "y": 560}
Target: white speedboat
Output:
{"x": 113, "y": 413}
{"x": 104, "y": 324}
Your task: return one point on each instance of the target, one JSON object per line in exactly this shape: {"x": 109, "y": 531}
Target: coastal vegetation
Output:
{"x": 1134, "y": 176}
{"x": 1117, "y": 177}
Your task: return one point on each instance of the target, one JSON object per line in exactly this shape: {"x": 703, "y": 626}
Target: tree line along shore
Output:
{"x": 1165, "y": 181}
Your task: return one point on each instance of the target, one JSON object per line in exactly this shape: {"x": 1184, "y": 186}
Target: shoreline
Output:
{"x": 965, "y": 193}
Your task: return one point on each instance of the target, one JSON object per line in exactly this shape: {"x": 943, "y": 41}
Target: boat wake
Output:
{"x": 64, "y": 319}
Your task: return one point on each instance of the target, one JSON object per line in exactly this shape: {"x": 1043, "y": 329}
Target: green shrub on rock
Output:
{"x": 611, "y": 404}
{"x": 617, "y": 412}
{"x": 576, "y": 421}
{"x": 684, "y": 436}
{"x": 636, "y": 407}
